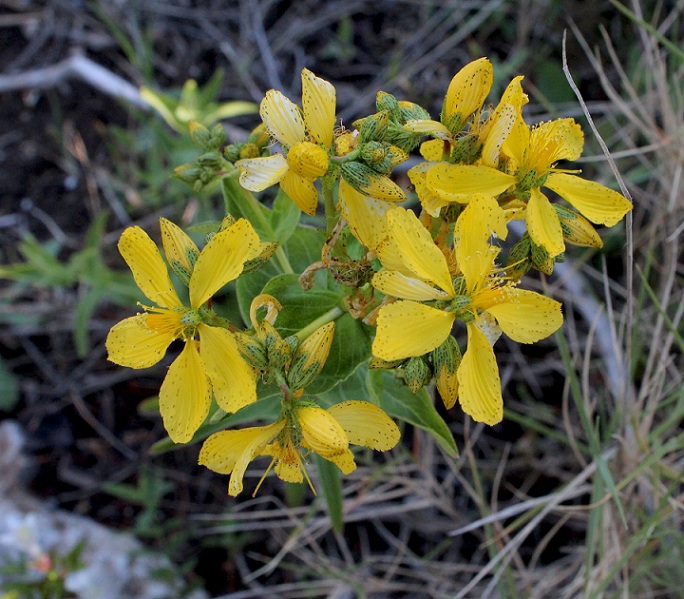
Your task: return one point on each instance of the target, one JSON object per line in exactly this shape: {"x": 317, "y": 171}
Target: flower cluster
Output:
{"x": 422, "y": 286}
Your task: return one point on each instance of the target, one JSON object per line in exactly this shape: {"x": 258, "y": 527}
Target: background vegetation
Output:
{"x": 577, "y": 494}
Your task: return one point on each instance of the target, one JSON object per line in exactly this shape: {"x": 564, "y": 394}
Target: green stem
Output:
{"x": 329, "y": 205}
{"x": 329, "y": 316}
{"x": 253, "y": 210}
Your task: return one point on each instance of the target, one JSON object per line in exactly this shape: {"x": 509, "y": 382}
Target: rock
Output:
{"x": 111, "y": 565}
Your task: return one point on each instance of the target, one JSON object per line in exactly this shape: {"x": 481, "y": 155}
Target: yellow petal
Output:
{"x": 468, "y": 89}
{"x": 409, "y": 247}
{"x": 517, "y": 143}
{"x": 133, "y": 344}
{"x": 407, "y": 329}
{"x": 483, "y": 218}
{"x": 181, "y": 251}
{"x": 222, "y": 260}
{"x": 517, "y": 140}
{"x": 185, "y": 395}
{"x": 290, "y": 473}
{"x": 459, "y": 181}
{"x": 474, "y": 254}
{"x": 561, "y": 139}
{"x": 318, "y": 101}
{"x": 396, "y": 284}
{"x": 434, "y": 128}
{"x": 282, "y": 118}
{"x": 301, "y": 191}
{"x": 526, "y": 316}
{"x": 365, "y": 215}
{"x": 233, "y": 381}
{"x": 478, "y": 378}
{"x": 543, "y": 224}
{"x": 499, "y": 130}
{"x": 366, "y": 424}
{"x": 431, "y": 202}
{"x": 598, "y": 203}
{"x": 383, "y": 188}
{"x": 433, "y": 150}
{"x": 149, "y": 271}
{"x": 344, "y": 461}
{"x": 229, "y": 452}
{"x": 321, "y": 432}
{"x": 260, "y": 173}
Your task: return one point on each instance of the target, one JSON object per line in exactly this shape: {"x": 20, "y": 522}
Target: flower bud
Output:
{"x": 519, "y": 261}
{"x": 367, "y": 181}
{"x": 252, "y": 350}
{"x": 577, "y": 230}
{"x": 416, "y": 373}
{"x": 181, "y": 251}
{"x": 311, "y": 356}
{"x": 373, "y": 126}
{"x": 199, "y": 134}
{"x": 445, "y": 361}
{"x": 267, "y": 250}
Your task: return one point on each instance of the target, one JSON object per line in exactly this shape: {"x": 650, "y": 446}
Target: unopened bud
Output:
{"x": 367, "y": 181}
{"x": 416, "y": 373}
{"x": 519, "y": 258}
{"x": 577, "y": 230}
{"x": 199, "y": 134}
{"x": 267, "y": 250}
{"x": 252, "y": 350}
{"x": 311, "y": 356}
{"x": 372, "y": 127}
{"x": 541, "y": 259}
{"x": 259, "y": 136}
{"x": 387, "y": 102}
{"x": 218, "y": 136}
{"x": 181, "y": 251}
{"x": 410, "y": 110}
{"x": 446, "y": 360}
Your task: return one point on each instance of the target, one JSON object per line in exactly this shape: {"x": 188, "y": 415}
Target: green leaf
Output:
{"x": 9, "y": 391}
{"x": 300, "y": 307}
{"x": 331, "y": 483}
{"x": 242, "y": 204}
{"x": 353, "y": 387}
{"x": 303, "y": 248}
{"x": 284, "y": 217}
{"x": 399, "y": 402}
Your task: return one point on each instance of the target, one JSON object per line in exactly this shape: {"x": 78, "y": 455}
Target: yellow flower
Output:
{"x": 417, "y": 272}
{"x": 481, "y": 146}
{"x": 211, "y": 365}
{"x": 306, "y": 138}
{"x": 532, "y": 154}
{"x": 325, "y": 432}
{"x": 525, "y": 316}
